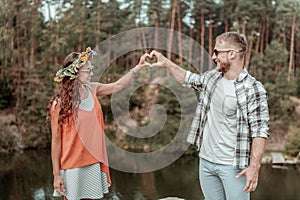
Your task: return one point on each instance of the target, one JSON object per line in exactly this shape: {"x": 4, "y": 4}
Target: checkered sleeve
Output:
{"x": 193, "y": 81}
{"x": 258, "y": 112}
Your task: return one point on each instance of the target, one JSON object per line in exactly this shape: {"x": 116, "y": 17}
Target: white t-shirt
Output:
{"x": 220, "y": 131}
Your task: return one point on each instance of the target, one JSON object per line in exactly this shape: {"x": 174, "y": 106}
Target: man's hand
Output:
{"x": 251, "y": 174}
{"x": 59, "y": 184}
{"x": 161, "y": 60}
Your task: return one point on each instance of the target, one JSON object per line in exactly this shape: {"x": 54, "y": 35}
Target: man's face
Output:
{"x": 221, "y": 57}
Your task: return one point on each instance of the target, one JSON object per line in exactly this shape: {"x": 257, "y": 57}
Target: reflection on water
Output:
{"x": 28, "y": 176}
{"x": 179, "y": 179}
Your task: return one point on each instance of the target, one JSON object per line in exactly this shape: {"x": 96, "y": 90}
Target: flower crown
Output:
{"x": 73, "y": 68}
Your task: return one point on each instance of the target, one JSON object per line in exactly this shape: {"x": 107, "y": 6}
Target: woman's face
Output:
{"x": 85, "y": 73}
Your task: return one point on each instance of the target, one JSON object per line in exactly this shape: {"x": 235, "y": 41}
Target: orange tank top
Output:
{"x": 83, "y": 140}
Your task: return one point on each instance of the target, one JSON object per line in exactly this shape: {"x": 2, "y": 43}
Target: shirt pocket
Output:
{"x": 229, "y": 106}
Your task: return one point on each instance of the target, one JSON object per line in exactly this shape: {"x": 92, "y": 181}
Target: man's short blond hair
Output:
{"x": 234, "y": 40}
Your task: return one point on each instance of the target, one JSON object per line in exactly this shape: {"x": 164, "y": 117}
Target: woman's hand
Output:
{"x": 59, "y": 184}
{"x": 143, "y": 62}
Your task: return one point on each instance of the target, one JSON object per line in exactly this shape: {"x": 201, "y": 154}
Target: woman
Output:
{"x": 79, "y": 158}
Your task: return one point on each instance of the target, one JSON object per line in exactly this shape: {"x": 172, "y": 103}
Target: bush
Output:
{"x": 293, "y": 141}
{"x": 8, "y": 138}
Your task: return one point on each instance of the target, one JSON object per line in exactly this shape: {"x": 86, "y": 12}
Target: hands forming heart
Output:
{"x": 154, "y": 59}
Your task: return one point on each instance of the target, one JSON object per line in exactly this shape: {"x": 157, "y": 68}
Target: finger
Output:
{"x": 156, "y": 65}
{"x": 146, "y": 64}
{"x": 145, "y": 56}
{"x": 154, "y": 53}
{"x": 250, "y": 189}
{"x": 58, "y": 189}
{"x": 63, "y": 187}
{"x": 250, "y": 186}
{"x": 241, "y": 174}
{"x": 247, "y": 187}
{"x": 253, "y": 187}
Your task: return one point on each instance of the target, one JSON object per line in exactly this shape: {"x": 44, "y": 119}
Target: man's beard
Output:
{"x": 224, "y": 67}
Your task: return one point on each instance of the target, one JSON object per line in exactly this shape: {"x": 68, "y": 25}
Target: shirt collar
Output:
{"x": 242, "y": 75}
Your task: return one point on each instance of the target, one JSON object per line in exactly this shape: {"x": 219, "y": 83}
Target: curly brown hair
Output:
{"x": 68, "y": 94}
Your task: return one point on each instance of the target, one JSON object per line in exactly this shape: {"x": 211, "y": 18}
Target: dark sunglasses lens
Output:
{"x": 216, "y": 52}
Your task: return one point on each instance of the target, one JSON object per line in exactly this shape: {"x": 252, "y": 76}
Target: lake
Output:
{"x": 28, "y": 175}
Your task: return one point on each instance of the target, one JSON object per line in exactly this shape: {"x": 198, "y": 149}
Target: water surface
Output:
{"x": 28, "y": 175}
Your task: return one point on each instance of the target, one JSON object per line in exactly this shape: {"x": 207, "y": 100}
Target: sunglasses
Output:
{"x": 216, "y": 51}
{"x": 89, "y": 71}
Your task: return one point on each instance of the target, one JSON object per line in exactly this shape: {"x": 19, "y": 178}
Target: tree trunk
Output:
{"x": 284, "y": 39}
{"x": 292, "y": 47}
{"x": 202, "y": 42}
{"x": 56, "y": 62}
{"x": 34, "y": 23}
{"x": 248, "y": 55}
{"x": 156, "y": 25}
{"x": 80, "y": 44}
{"x": 171, "y": 32}
{"x": 262, "y": 37}
{"x": 179, "y": 35}
{"x": 98, "y": 22}
{"x": 109, "y": 48}
{"x": 143, "y": 37}
{"x": 197, "y": 29}
{"x": 244, "y": 26}
{"x": 237, "y": 21}
{"x": 191, "y": 46}
{"x": 210, "y": 42}
{"x": 257, "y": 44}
{"x": 210, "y": 30}
{"x": 267, "y": 30}
{"x": 226, "y": 20}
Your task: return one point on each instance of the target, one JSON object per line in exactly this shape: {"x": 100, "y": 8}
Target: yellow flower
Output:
{"x": 56, "y": 79}
{"x": 84, "y": 58}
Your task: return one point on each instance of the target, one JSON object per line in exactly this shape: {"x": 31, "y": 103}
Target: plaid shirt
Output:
{"x": 252, "y": 112}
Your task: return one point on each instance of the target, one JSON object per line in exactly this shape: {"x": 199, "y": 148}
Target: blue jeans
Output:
{"x": 218, "y": 182}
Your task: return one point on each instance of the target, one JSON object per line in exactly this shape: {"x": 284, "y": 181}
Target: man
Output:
{"x": 231, "y": 120}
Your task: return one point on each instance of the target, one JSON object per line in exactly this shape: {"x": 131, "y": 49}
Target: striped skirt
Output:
{"x": 85, "y": 182}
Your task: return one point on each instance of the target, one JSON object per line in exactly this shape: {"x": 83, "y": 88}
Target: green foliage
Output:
{"x": 271, "y": 70}
{"x": 33, "y": 48}
{"x": 106, "y": 109}
{"x": 8, "y": 137}
{"x": 293, "y": 141}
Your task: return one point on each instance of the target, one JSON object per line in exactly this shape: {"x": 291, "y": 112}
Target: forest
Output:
{"x": 36, "y": 35}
